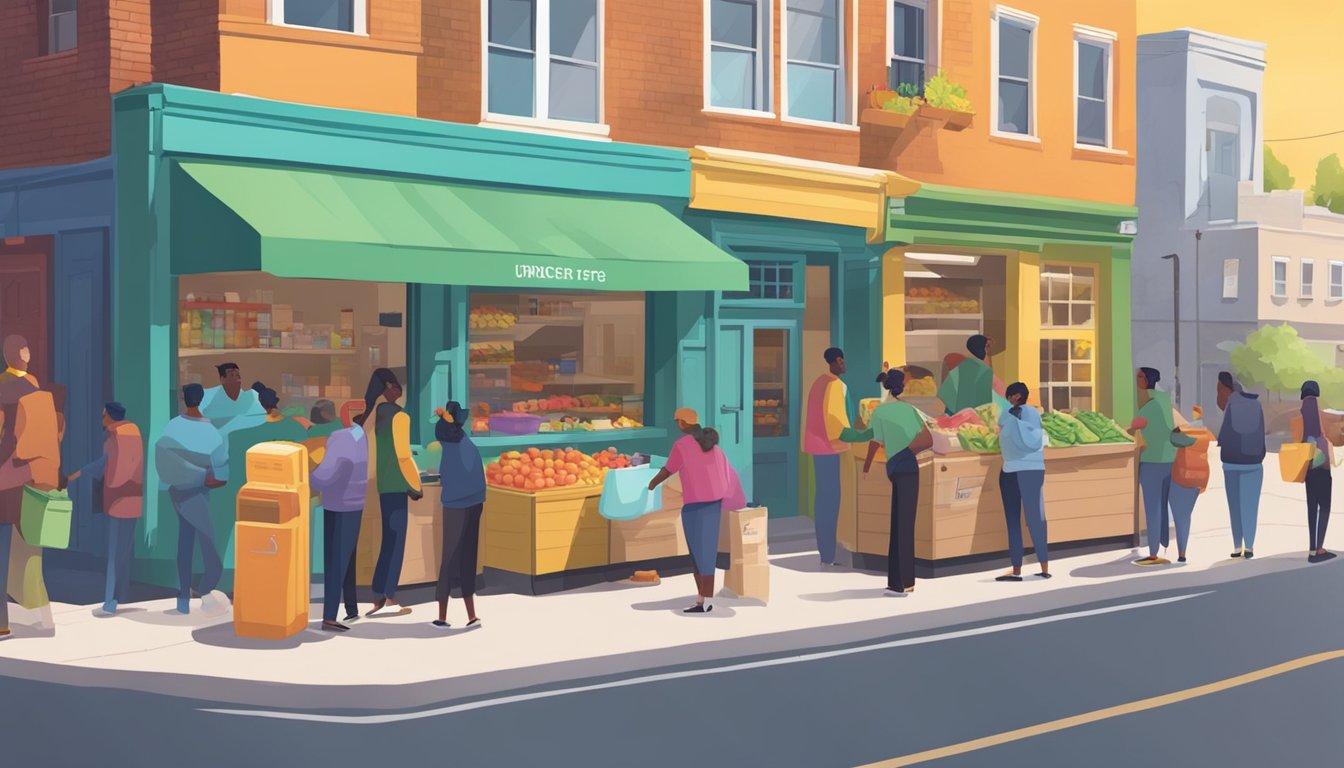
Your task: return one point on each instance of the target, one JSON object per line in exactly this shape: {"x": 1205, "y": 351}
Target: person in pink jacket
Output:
{"x": 709, "y": 485}
{"x": 121, "y": 469}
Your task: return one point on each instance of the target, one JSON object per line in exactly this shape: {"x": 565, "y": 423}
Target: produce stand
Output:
{"x": 1091, "y": 500}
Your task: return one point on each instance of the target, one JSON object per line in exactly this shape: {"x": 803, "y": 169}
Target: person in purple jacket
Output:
{"x": 342, "y": 478}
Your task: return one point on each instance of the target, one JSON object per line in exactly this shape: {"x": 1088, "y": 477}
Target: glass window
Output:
{"x": 555, "y": 362}
{"x": 62, "y": 26}
{"x": 1015, "y": 76}
{"x": 909, "y": 44}
{"x": 554, "y": 73}
{"x": 770, "y": 411}
{"x": 738, "y": 53}
{"x": 1068, "y": 380}
{"x": 816, "y": 73}
{"x": 767, "y": 280}
{"x": 1280, "y": 277}
{"x": 1231, "y": 273}
{"x": 338, "y": 15}
{"x": 1337, "y": 279}
{"x": 308, "y": 340}
{"x": 1093, "y": 93}
{"x": 1068, "y": 297}
{"x": 1308, "y": 278}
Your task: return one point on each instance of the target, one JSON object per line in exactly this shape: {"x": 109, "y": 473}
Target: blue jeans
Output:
{"x": 701, "y": 524}
{"x": 1155, "y": 485}
{"x": 1243, "y": 500}
{"x": 120, "y": 549}
{"x": 193, "y": 524}
{"x": 1182, "y": 509}
{"x": 826, "y": 504}
{"x": 340, "y": 533}
{"x": 6, "y": 535}
{"x": 1023, "y": 493}
{"x": 387, "y": 572}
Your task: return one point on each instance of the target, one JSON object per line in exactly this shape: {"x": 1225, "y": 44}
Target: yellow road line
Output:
{"x": 1110, "y": 712}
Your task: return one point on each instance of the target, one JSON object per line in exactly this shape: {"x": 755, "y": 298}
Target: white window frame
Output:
{"x": 542, "y": 81}
{"x": 1306, "y": 288}
{"x": 359, "y": 18}
{"x": 765, "y": 33}
{"x": 1336, "y": 291}
{"x": 1274, "y": 281}
{"x": 1000, "y": 14}
{"x": 849, "y": 55}
{"x": 933, "y": 23}
{"x": 1231, "y": 278}
{"x": 1099, "y": 38}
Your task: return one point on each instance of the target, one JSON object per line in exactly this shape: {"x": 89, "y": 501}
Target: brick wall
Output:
{"x": 186, "y": 41}
{"x": 450, "y": 69}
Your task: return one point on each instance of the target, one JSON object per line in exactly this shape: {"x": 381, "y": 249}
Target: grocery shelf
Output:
{"x": 261, "y": 351}
{"x": 936, "y": 316}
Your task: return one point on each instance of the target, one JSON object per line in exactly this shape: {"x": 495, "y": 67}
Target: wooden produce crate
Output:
{"x": 1091, "y": 492}
{"x": 873, "y": 508}
{"x": 654, "y": 536}
{"x": 545, "y": 532}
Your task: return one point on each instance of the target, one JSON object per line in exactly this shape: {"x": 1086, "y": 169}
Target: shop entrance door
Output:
{"x": 774, "y": 419}
{"x": 25, "y": 306}
{"x": 732, "y": 380}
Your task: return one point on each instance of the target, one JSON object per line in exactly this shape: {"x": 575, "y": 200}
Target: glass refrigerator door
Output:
{"x": 771, "y": 399}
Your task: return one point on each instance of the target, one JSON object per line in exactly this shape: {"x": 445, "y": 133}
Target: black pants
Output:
{"x": 1319, "y": 486}
{"x": 901, "y": 548}
{"x": 461, "y": 541}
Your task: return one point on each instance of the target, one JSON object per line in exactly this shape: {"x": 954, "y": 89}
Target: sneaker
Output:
{"x": 476, "y": 623}
{"x": 1248, "y": 555}
{"x": 441, "y": 624}
{"x": 104, "y": 612}
{"x": 1150, "y": 560}
{"x": 1004, "y": 577}
{"x": 1181, "y": 559}
{"x": 1235, "y": 555}
{"x": 351, "y": 617}
{"x": 1044, "y": 575}
{"x": 334, "y": 626}
{"x": 215, "y": 603}
{"x": 699, "y": 609}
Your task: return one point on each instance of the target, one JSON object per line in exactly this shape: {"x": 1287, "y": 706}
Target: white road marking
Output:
{"x": 681, "y": 675}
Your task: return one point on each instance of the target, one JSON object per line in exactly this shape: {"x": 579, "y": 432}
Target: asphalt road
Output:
{"x": 849, "y": 710}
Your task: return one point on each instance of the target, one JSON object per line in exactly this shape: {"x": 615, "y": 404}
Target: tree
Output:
{"x": 1328, "y": 191}
{"x": 1276, "y": 173}
{"x": 1276, "y": 359}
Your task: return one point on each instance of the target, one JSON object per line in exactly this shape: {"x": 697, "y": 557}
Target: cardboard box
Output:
{"x": 743, "y": 534}
{"x": 749, "y": 581}
{"x": 270, "y": 593}
{"x": 272, "y": 504}
{"x": 282, "y": 464}
{"x": 652, "y": 537}
{"x": 282, "y": 317}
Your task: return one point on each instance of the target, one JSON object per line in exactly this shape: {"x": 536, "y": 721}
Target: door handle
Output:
{"x": 730, "y": 409}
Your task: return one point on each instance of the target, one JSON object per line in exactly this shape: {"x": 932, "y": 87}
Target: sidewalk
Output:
{"x": 610, "y": 629}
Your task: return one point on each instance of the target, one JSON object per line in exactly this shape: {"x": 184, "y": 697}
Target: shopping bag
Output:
{"x": 1191, "y": 468}
{"x": 45, "y": 518}
{"x": 1294, "y": 461}
{"x": 626, "y": 494}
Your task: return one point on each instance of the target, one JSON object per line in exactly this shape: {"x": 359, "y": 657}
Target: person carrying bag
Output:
{"x": 1189, "y": 476}
{"x": 1313, "y": 459}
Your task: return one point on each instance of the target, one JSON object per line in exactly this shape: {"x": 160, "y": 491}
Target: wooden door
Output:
{"x": 25, "y": 298}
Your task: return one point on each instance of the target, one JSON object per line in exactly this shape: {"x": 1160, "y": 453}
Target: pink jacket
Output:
{"x": 124, "y": 475}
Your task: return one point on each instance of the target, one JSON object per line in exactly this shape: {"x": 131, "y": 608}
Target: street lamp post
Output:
{"x": 1176, "y": 320}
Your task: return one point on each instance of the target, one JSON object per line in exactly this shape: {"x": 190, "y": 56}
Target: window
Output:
{"x": 814, "y": 65}
{"x": 1337, "y": 280}
{"x": 334, "y": 15}
{"x": 1308, "y": 277}
{"x": 772, "y": 280}
{"x": 1093, "y": 86}
{"x": 1014, "y": 39}
{"x": 1280, "y": 277}
{"x": 1068, "y": 331}
{"x": 909, "y": 49}
{"x": 568, "y": 362}
{"x": 62, "y": 26}
{"x": 543, "y": 59}
{"x": 739, "y": 54}
{"x": 1231, "y": 273}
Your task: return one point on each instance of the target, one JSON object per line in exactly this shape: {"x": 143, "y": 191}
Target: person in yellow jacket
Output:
{"x": 394, "y": 475}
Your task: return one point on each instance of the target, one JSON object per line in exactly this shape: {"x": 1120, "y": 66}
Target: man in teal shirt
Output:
{"x": 971, "y": 384}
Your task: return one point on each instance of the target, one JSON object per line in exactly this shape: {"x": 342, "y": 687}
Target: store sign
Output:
{"x": 559, "y": 274}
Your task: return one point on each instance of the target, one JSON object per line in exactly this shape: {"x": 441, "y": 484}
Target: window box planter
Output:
{"x": 879, "y": 96}
{"x": 952, "y": 121}
{"x": 885, "y": 118}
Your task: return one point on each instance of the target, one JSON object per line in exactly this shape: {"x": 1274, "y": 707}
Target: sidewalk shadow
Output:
{"x": 874, "y": 593}
{"x": 223, "y": 636}
{"x": 420, "y": 630}
{"x": 171, "y": 618}
{"x": 1122, "y": 567}
{"x": 806, "y": 563}
{"x": 677, "y": 605}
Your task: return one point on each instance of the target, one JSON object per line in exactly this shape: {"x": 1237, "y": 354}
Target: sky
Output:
{"x": 1303, "y": 56}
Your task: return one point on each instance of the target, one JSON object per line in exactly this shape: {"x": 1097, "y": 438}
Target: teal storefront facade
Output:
{"x": 175, "y": 219}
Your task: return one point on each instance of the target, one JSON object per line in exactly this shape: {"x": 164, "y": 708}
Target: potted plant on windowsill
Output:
{"x": 893, "y": 109}
{"x": 945, "y": 101}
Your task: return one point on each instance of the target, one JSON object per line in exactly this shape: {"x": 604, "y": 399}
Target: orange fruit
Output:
{"x": 548, "y": 472}
{"x": 533, "y": 452}
{"x": 529, "y": 486}
{"x": 539, "y": 463}
{"x": 571, "y": 479}
{"x": 518, "y": 481}
{"x": 550, "y": 482}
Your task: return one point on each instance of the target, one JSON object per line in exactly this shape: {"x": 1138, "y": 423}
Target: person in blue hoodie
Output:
{"x": 1242, "y": 442}
{"x": 1022, "y": 480}
{"x": 462, "y": 477}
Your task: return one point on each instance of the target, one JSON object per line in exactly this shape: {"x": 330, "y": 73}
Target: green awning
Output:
{"x": 314, "y": 224}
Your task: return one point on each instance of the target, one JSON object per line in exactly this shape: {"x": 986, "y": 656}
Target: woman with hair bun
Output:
{"x": 899, "y": 430}
{"x": 462, "y": 475}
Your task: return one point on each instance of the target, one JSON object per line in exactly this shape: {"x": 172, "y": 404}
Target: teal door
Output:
{"x": 775, "y": 412}
{"x": 732, "y": 378}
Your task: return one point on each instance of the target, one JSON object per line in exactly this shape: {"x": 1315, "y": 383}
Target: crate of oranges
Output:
{"x": 537, "y": 470}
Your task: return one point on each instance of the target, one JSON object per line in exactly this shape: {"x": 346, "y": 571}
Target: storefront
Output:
{"x": 1048, "y": 280}
{"x": 546, "y": 283}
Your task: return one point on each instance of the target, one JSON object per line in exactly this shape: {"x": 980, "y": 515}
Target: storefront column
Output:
{"x": 893, "y": 307}
{"x": 1118, "y": 387}
{"x": 1022, "y": 361}
{"x": 429, "y": 364}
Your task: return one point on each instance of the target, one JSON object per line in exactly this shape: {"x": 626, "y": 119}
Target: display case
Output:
{"x": 770, "y": 399}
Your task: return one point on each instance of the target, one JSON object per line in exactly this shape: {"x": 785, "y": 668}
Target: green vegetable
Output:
{"x": 1104, "y": 426}
{"x": 942, "y": 93}
{"x": 1084, "y": 435}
